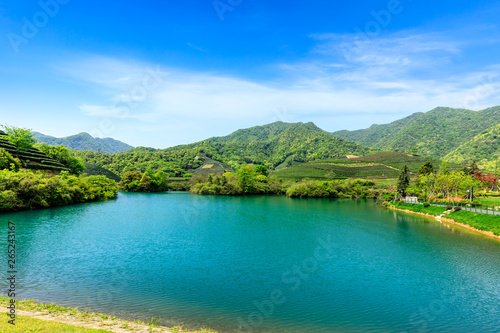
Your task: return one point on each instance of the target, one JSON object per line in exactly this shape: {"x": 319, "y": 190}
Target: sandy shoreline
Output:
{"x": 450, "y": 221}
{"x": 85, "y": 319}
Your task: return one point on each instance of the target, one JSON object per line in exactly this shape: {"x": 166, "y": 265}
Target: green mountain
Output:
{"x": 258, "y": 133}
{"x": 269, "y": 145}
{"x": 276, "y": 143}
{"x": 484, "y": 148}
{"x": 436, "y": 133}
{"x": 84, "y": 141}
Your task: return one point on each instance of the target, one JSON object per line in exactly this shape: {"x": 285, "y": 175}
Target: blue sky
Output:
{"x": 161, "y": 73}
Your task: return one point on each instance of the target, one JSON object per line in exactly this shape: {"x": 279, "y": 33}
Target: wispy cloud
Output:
{"x": 396, "y": 74}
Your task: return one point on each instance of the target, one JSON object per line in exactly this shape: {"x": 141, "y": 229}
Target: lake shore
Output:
{"x": 54, "y": 318}
{"x": 450, "y": 221}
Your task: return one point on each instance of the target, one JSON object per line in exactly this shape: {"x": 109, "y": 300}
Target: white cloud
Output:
{"x": 398, "y": 75}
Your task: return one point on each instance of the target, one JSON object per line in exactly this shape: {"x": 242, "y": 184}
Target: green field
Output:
{"x": 384, "y": 165}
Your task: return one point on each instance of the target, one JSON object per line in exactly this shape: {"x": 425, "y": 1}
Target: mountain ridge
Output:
{"x": 84, "y": 141}
{"x": 435, "y": 133}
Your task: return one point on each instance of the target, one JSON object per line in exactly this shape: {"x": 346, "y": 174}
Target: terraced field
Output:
{"x": 385, "y": 165}
{"x": 31, "y": 159}
{"x": 211, "y": 166}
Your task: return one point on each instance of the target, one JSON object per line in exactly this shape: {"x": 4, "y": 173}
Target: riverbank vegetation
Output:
{"x": 253, "y": 180}
{"x": 65, "y": 319}
{"x": 480, "y": 221}
{"x": 458, "y": 186}
{"x": 135, "y": 181}
{"x": 26, "y": 189}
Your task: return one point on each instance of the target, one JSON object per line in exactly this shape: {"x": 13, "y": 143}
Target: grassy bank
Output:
{"x": 433, "y": 210}
{"x": 479, "y": 221}
{"x": 37, "y": 317}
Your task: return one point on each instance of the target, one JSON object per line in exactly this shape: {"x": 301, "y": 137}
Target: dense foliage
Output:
{"x": 63, "y": 156}
{"x": 485, "y": 148}
{"x": 135, "y": 181}
{"x": 248, "y": 180}
{"x": 438, "y": 133}
{"x": 253, "y": 180}
{"x": 84, "y": 141}
{"x": 451, "y": 185}
{"x": 7, "y": 161}
{"x": 174, "y": 163}
{"x": 21, "y": 138}
{"x": 30, "y": 190}
{"x": 297, "y": 142}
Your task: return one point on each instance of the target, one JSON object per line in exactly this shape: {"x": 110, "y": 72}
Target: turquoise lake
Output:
{"x": 258, "y": 264}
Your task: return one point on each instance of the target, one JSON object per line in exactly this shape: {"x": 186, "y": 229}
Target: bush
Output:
{"x": 7, "y": 161}
{"x": 31, "y": 190}
{"x": 427, "y": 204}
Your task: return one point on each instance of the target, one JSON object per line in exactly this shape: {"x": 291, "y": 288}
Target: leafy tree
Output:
{"x": 246, "y": 179}
{"x": 403, "y": 180}
{"x": 135, "y": 181}
{"x": 261, "y": 170}
{"x": 426, "y": 169}
{"x": 443, "y": 168}
{"x": 471, "y": 169}
{"x": 63, "y": 156}
{"x": 25, "y": 189}
{"x": 22, "y": 138}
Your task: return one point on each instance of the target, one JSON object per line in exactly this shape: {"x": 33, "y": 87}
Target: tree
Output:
{"x": 426, "y": 169}
{"x": 261, "y": 170}
{"x": 471, "y": 169}
{"x": 22, "y": 138}
{"x": 246, "y": 179}
{"x": 63, "y": 156}
{"x": 404, "y": 180}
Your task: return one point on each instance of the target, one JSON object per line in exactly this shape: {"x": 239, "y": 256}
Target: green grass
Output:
{"x": 478, "y": 220}
{"x": 421, "y": 209}
{"x": 488, "y": 201}
{"x": 28, "y": 324}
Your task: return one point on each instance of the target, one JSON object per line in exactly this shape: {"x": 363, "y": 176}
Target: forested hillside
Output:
{"x": 301, "y": 142}
{"x": 280, "y": 141}
{"x": 484, "y": 148}
{"x": 84, "y": 141}
{"x": 436, "y": 133}
{"x": 258, "y": 133}
{"x": 174, "y": 163}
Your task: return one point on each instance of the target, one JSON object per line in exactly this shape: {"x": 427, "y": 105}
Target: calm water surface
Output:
{"x": 259, "y": 264}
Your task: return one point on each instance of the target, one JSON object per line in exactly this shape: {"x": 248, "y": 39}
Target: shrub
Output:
{"x": 7, "y": 161}
{"x": 427, "y": 204}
